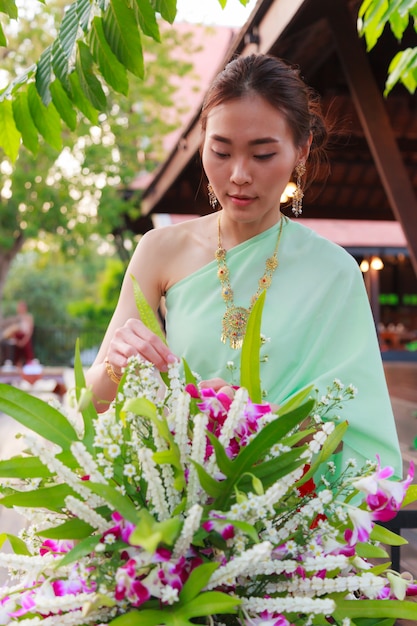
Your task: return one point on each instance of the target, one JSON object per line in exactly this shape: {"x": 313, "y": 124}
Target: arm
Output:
{"x": 126, "y": 335}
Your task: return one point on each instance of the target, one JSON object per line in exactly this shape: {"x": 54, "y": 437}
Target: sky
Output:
{"x": 210, "y": 12}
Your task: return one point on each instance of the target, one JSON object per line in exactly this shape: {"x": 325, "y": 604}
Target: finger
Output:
{"x": 213, "y": 383}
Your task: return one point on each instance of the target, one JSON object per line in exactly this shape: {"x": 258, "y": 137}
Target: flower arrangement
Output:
{"x": 181, "y": 506}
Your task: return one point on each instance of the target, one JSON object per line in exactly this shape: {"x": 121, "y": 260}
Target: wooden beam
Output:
{"x": 371, "y": 110}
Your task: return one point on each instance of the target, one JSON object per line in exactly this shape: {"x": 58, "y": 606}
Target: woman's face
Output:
{"x": 249, "y": 156}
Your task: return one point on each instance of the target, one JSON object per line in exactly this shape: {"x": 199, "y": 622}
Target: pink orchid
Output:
{"x": 384, "y": 497}
{"x": 57, "y": 547}
{"x": 362, "y": 525}
{"x": 268, "y": 619}
{"x": 225, "y": 529}
{"x": 122, "y": 530}
{"x": 27, "y": 604}
{"x": 128, "y": 587}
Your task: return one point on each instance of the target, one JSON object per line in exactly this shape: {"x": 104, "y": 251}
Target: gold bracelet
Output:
{"x": 116, "y": 378}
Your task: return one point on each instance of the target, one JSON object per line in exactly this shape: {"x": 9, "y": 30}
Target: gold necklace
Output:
{"x": 236, "y": 318}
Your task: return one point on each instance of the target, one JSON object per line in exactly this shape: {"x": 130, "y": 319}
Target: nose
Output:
{"x": 240, "y": 173}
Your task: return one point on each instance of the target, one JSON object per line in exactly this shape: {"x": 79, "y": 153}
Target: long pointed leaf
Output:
{"x": 23, "y": 467}
{"x": 45, "y": 118}
{"x": 24, "y": 122}
{"x": 37, "y": 416}
{"x": 123, "y": 36}
{"x": 120, "y": 503}
{"x": 51, "y": 498}
{"x": 113, "y": 72}
{"x": 146, "y": 312}
{"x": 375, "y": 608}
{"x": 89, "y": 413}
{"x": 250, "y": 376}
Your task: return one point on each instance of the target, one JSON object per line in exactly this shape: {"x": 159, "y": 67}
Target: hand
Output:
{"x": 135, "y": 339}
{"x": 219, "y": 386}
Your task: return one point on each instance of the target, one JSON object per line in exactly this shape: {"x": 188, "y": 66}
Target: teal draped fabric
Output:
{"x": 318, "y": 322}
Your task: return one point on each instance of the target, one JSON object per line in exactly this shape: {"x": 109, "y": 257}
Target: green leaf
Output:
{"x": 146, "y": 312}
{"x": 374, "y": 608}
{"x": 72, "y": 529}
{"x": 150, "y": 534}
{"x": 328, "y": 448}
{"x": 145, "y": 617}
{"x": 402, "y": 69}
{"x": 410, "y": 496}
{"x": 117, "y": 501}
{"x": 89, "y": 413}
{"x": 9, "y": 135}
{"x": 88, "y": 80}
{"x": 9, "y": 7}
{"x": 80, "y": 100}
{"x": 250, "y": 373}
{"x": 37, "y": 415}
{"x": 24, "y": 122}
{"x": 210, "y": 603}
{"x": 370, "y": 551}
{"x": 18, "y": 545}
{"x": 296, "y": 400}
{"x": 383, "y": 535}
{"x": 43, "y": 75}
{"x": 248, "y": 458}
{"x": 167, "y": 9}
{"x": 3, "y": 40}
{"x": 123, "y": 36}
{"x": 45, "y": 118}
{"x": 113, "y": 72}
{"x": 51, "y": 498}
{"x": 63, "y": 46}
{"x": 63, "y": 104}
{"x": 147, "y": 18}
{"x": 23, "y": 467}
{"x": 197, "y": 580}
{"x": 83, "y": 548}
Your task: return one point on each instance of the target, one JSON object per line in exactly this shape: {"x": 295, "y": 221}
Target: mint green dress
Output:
{"x": 319, "y": 323}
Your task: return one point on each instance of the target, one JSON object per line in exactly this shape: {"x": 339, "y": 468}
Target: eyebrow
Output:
{"x": 254, "y": 142}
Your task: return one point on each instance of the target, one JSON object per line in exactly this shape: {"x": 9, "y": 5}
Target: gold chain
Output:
{"x": 236, "y": 318}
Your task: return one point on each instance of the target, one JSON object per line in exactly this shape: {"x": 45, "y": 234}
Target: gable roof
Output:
{"x": 374, "y": 155}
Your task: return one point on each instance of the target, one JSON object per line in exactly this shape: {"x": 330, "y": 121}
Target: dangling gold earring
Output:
{"x": 212, "y": 198}
{"x": 297, "y": 199}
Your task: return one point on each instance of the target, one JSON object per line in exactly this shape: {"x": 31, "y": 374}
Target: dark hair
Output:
{"x": 279, "y": 84}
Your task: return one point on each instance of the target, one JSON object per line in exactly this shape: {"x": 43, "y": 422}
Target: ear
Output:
{"x": 304, "y": 150}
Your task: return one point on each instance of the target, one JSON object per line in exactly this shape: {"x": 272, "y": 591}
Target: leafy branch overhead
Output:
{"x": 97, "y": 46}
{"x": 374, "y": 17}
{"x": 100, "y": 43}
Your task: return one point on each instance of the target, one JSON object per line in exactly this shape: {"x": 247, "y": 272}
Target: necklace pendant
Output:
{"x": 234, "y": 324}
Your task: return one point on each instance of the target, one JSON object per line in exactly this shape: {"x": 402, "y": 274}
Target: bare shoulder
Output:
{"x": 177, "y": 250}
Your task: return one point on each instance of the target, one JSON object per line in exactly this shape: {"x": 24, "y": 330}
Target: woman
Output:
{"x": 261, "y": 126}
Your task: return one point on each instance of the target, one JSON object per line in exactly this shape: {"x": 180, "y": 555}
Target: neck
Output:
{"x": 234, "y": 233}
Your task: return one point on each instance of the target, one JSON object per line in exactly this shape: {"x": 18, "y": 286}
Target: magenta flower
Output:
{"x": 57, "y": 547}
{"x": 225, "y": 529}
{"x": 128, "y": 587}
{"x": 362, "y": 525}
{"x": 269, "y": 619}
{"x": 122, "y": 530}
{"x": 27, "y": 604}
{"x": 384, "y": 497}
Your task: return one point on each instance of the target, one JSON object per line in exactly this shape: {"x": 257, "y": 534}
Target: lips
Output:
{"x": 241, "y": 200}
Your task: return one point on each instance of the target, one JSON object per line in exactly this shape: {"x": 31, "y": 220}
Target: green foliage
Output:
{"x": 50, "y": 285}
{"x": 78, "y": 193}
{"x": 374, "y": 16}
{"x": 96, "y": 47}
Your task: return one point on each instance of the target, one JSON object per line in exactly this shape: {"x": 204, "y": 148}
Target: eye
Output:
{"x": 220, "y": 155}
{"x": 264, "y": 157}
